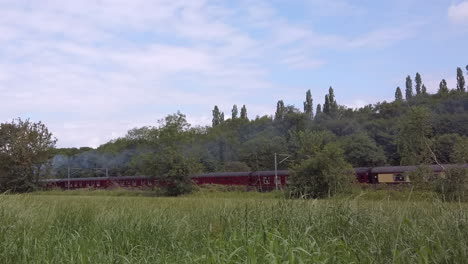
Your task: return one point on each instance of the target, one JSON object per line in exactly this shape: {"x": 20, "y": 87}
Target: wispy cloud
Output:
{"x": 458, "y": 13}
{"x": 83, "y": 66}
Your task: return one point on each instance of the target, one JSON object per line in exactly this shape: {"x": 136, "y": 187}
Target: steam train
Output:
{"x": 261, "y": 180}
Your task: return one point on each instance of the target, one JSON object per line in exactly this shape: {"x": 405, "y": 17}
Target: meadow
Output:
{"x": 230, "y": 227}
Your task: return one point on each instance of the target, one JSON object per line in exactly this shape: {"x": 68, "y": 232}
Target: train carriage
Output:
{"x": 261, "y": 180}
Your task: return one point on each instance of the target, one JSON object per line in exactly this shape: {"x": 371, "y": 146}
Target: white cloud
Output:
{"x": 458, "y": 13}
{"x": 89, "y": 68}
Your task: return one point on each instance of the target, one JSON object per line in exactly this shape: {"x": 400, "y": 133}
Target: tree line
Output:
{"x": 421, "y": 128}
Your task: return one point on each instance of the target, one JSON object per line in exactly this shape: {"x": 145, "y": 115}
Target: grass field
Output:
{"x": 210, "y": 227}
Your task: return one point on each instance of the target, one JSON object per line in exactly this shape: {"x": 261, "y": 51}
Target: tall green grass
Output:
{"x": 229, "y": 228}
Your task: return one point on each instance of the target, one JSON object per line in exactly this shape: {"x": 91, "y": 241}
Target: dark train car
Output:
{"x": 263, "y": 180}
{"x": 399, "y": 174}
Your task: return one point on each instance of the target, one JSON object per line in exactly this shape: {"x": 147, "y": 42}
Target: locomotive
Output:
{"x": 261, "y": 180}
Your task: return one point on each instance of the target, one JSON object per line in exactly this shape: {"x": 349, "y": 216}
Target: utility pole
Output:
{"x": 276, "y": 173}
{"x": 68, "y": 185}
{"x": 277, "y": 182}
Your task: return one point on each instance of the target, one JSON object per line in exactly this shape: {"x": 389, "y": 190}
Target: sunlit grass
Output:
{"x": 229, "y": 227}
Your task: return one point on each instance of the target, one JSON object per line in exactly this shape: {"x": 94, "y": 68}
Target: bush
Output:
{"x": 25, "y": 149}
{"x": 325, "y": 174}
{"x": 453, "y": 186}
{"x": 423, "y": 178}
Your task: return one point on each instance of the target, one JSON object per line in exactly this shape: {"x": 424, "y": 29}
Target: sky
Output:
{"x": 93, "y": 69}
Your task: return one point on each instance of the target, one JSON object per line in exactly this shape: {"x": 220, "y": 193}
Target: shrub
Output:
{"x": 325, "y": 174}
{"x": 453, "y": 186}
{"x": 423, "y": 178}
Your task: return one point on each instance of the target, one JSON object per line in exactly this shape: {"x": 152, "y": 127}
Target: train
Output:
{"x": 261, "y": 180}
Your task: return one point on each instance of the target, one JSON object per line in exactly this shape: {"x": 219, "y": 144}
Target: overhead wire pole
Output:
{"x": 276, "y": 173}
{"x": 277, "y": 182}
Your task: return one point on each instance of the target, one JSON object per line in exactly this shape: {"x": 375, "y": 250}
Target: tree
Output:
{"x": 325, "y": 174}
{"x": 418, "y": 81}
{"x": 243, "y": 114}
{"x": 172, "y": 169}
{"x": 361, "y": 151}
{"x": 443, "y": 89}
{"x": 444, "y": 146}
{"x": 409, "y": 88}
{"x": 460, "y": 80}
{"x": 280, "y": 110}
{"x": 398, "y": 95}
{"x": 216, "y": 116}
{"x": 413, "y": 137}
{"x": 424, "y": 89}
{"x": 331, "y": 98}
{"x": 304, "y": 144}
{"x": 308, "y": 105}
{"x": 25, "y": 149}
{"x": 234, "y": 112}
{"x": 326, "y": 105}
{"x": 460, "y": 151}
{"x": 454, "y": 186}
{"x": 319, "y": 110}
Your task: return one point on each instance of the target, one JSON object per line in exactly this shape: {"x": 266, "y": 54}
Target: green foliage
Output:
{"x": 319, "y": 110}
{"x": 25, "y": 149}
{"x": 308, "y": 105}
{"x": 361, "y": 151}
{"x": 418, "y": 81}
{"x": 454, "y": 185}
{"x": 236, "y": 166}
{"x": 218, "y": 117}
{"x": 460, "y": 151}
{"x": 243, "y": 114}
{"x": 398, "y": 95}
{"x": 423, "y": 178}
{"x": 413, "y": 139}
{"x": 304, "y": 144}
{"x": 259, "y": 151}
{"x": 323, "y": 175}
{"x": 444, "y": 146}
{"x": 280, "y": 110}
{"x": 234, "y": 112}
{"x": 443, "y": 89}
{"x": 173, "y": 169}
{"x": 424, "y": 90}
{"x": 409, "y": 88}
{"x": 460, "y": 80}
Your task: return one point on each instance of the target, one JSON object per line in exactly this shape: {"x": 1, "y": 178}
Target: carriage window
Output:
{"x": 399, "y": 177}
{"x": 134, "y": 183}
{"x": 266, "y": 180}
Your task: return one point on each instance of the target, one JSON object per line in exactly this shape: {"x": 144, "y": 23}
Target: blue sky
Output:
{"x": 91, "y": 70}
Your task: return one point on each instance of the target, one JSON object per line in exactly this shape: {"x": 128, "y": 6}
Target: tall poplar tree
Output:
{"x": 326, "y": 105}
{"x": 423, "y": 89}
{"x": 460, "y": 80}
{"x": 280, "y": 110}
{"x": 308, "y": 105}
{"x": 234, "y": 112}
{"x": 409, "y": 88}
{"x": 443, "y": 89}
{"x": 243, "y": 114}
{"x": 319, "y": 110}
{"x": 398, "y": 95}
{"x": 332, "y": 100}
{"x": 418, "y": 81}
{"x": 216, "y": 116}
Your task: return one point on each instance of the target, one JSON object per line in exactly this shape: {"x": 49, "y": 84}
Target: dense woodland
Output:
{"x": 415, "y": 128}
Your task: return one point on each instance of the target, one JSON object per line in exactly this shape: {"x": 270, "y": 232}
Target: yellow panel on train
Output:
{"x": 384, "y": 177}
